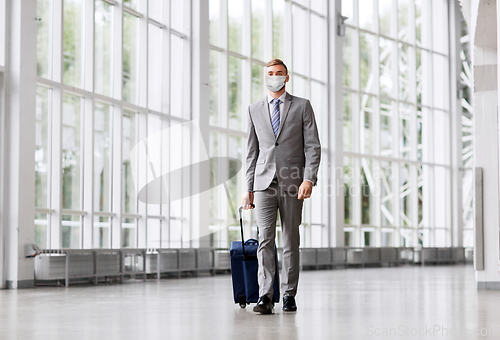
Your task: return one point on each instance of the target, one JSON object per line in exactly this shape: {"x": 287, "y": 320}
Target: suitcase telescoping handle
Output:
{"x": 241, "y": 228}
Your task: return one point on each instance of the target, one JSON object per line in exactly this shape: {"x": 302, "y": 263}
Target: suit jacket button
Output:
{"x": 276, "y": 144}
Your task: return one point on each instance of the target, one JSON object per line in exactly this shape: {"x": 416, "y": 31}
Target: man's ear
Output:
{"x": 287, "y": 78}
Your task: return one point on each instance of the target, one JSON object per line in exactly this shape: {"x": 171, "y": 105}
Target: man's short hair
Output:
{"x": 274, "y": 62}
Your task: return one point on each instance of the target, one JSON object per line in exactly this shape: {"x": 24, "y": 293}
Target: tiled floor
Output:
{"x": 409, "y": 302}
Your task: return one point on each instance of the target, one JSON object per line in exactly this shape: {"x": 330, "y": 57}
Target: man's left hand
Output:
{"x": 305, "y": 190}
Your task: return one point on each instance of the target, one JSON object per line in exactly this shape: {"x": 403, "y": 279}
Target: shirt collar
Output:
{"x": 282, "y": 97}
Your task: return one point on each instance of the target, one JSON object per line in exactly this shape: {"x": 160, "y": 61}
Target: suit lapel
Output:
{"x": 266, "y": 117}
{"x": 286, "y": 108}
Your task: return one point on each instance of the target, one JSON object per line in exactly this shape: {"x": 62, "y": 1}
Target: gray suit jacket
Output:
{"x": 293, "y": 155}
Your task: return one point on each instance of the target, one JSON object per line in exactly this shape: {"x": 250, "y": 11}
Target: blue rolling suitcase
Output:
{"x": 244, "y": 266}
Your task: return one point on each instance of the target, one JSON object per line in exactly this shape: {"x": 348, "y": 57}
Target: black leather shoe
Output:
{"x": 289, "y": 304}
{"x": 264, "y": 305}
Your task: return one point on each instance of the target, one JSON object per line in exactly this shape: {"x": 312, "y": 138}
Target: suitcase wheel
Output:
{"x": 242, "y": 300}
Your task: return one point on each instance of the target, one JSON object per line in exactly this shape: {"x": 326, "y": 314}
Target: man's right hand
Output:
{"x": 247, "y": 200}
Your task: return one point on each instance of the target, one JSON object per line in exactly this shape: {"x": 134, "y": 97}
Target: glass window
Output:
{"x": 440, "y": 81}
{"x": 72, "y": 152}
{"x": 214, "y": 87}
{"x": 155, "y": 155}
{"x": 43, "y": 37}
{"x": 155, "y": 10}
{"x": 153, "y": 233}
{"x": 440, "y": 142}
{"x": 348, "y": 56}
{"x": 155, "y": 69}
{"x": 387, "y": 57}
{"x": 348, "y": 133}
{"x": 134, "y": 4}
{"x": 103, "y": 43}
{"x": 440, "y": 26}
{"x": 385, "y": 14}
{"x": 129, "y": 136}
{"x": 404, "y": 30}
{"x": 423, "y": 20}
{"x": 387, "y": 238}
{"x": 177, "y": 76}
{"x": 71, "y": 228}
{"x": 405, "y": 113}
{"x": 319, "y": 6}
{"x": 386, "y": 193}
{"x": 258, "y": 83}
{"x": 300, "y": 62}
{"x": 299, "y": 86}
{"x": 348, "y": 11}
{"x": 318, "y": 53}
{"x": 366, "y": 120}
{"x": 404, "y": 72}
{"x": 214, "y": 14}
{"x": 42, "y": 147}
{"x": 405, "y": 196}
{"x": 130, "y": 57}
{"x": 129, "y": 233}
{"x": 41, "y": 230}
{"x": 177, "y": 15}
{"x": 102, "y": 157}
{"x": 366, "y": 69}
{"x": 386, "y": 141}
{"x": 102, "y": 232}
{"x": 73, "y": 42}
{"x": 234, "y": 22}
{"x": 235, "y": 93}
{"x": 350, "y": 191}
{"x": 258, "y": 37}
{"x": 367, "y": 192}
{"x": 278, "y": 28}
{"x": 366, "y": 14}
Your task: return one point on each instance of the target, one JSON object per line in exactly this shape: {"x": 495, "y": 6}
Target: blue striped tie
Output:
{"x": 275, "y": 118}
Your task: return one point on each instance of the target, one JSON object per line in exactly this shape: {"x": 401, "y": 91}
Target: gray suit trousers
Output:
{"x": 267, "y": 204}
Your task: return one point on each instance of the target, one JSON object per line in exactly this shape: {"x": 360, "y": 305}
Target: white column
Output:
{"x": 200, "y": 111}
{"x": 456, "y": 127}
{"x": 20, "y": 140}
{"x": 335, "y": 104}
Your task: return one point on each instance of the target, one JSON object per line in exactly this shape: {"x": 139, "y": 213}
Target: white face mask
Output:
{"x": 275, "y": 83}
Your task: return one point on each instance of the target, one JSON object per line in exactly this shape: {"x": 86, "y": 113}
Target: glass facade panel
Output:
{"x": 177, "y": 15}
{"x": 130, "y": 57}
{"x": 42, "y": 147}
{"x": 73, "y": 42}
{"x": 102, "y": 157}
{"x": 41, "y": 228}
{"x": 258, "y": 37}
{"x": 177, "y": 76}
{"x": 214, "y": 86}
{"x": 103, "y": 44}
{"x": 102, "y": 232}
{"x": 403, "y": 122}
{"x": 300, "y": 62}
{"x": 278, "y": 28}
{"x": 71, "y": 228}
{"x": 43, "y": 45}
{"x": 71, "y": 152}
{"x": 235, "y": 120}
{"x": 155, "y": 68}
{"x": 155, "y": 9}
{"x": 234, "y": 23}
{"x": 129, "y": 136}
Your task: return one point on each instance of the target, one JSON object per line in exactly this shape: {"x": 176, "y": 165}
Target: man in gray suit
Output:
{"x": 282, "y": 165}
